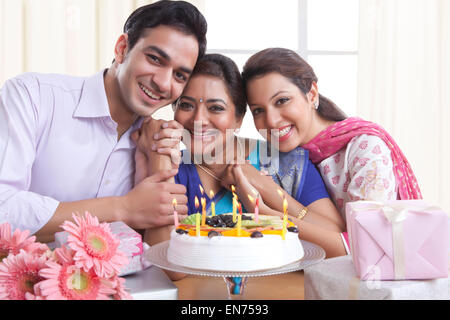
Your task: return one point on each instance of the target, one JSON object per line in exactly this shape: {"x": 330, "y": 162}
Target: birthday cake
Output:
{"x": 221, "y": 245}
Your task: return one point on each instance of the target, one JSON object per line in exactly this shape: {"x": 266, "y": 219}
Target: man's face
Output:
{"x": 155, "y": 71}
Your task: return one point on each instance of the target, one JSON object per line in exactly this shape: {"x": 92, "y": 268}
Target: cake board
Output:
{"x": 235, "y": 281}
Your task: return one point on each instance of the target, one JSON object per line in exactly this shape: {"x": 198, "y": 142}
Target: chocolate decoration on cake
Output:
{"x": 256, "y": 234}
{"x": 213, "y": 233}
{"x": 181, "y": 231}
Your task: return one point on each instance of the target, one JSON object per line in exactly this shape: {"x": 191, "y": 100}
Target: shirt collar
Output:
{"x": 93, "y": 101}
{"x": 125, "y": 141}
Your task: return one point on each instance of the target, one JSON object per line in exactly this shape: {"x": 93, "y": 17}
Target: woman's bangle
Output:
{"x": 302, "y": 213}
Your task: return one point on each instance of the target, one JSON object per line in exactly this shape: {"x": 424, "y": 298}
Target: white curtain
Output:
{"x": 404, "y": 83}
{"x": 66, "y": 36}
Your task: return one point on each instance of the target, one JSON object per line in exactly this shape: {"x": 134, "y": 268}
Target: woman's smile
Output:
{"x": 284, "y": 133}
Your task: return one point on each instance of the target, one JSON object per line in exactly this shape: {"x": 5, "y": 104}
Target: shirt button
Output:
{"x": 107, "y": 182}
{"x": 110, "y": 124}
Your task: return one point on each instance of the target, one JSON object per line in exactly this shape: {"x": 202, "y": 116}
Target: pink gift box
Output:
{"x": 398, "y": 240}
{"x": 130, "y": 244}
{"x": 130, "y": 240}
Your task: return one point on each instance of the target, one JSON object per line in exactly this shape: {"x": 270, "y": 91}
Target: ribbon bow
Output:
{"x": 394, "y": 215}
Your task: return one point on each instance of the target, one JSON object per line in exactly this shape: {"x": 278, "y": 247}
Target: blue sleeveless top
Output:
{"x": 292, "y": 171}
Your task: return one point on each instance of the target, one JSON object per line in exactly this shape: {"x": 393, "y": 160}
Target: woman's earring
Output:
{"x": 316, "y": 104}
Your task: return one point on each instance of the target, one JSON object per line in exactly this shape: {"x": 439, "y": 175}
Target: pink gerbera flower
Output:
{"x": 121, "y": 292}
{"x": 68, "y": 282}
{"x": 18, "y": 275}
{"x": 63, "y": 255}
{"x": 37, "y": 294}
{"x": 95, "y": 246}
{"x": 13, "y": 243}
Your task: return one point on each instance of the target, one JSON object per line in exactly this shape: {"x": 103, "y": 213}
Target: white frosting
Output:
{"x": 223, "y": 253}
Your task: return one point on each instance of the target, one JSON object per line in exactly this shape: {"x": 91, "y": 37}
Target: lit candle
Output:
{"x": 196, "y": 204}
{"x": 239, "y": 221}
{"x": 175, "y": 213}
{"x": 203, "y": 204}
{"x": 257, "y": 210}
{"x": 256, "y": 206}
{"x": 197, "y": 218}
{"x": 284, "y": 231}
{"x": 213, "y": 205}
{"x": 233, "y": 189}
{"x": 197, "y": 225}
{"x": 234, "y": 208}
{"x": 203, "y": 200}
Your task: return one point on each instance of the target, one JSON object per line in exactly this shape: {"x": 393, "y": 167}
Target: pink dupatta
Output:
{"x": 336, "y": 137}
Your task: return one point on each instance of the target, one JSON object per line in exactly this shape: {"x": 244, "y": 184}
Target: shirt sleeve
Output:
{"x": 19, "y": 207}
{"x": 371, "y": 170}
{"x": 313, "y": 188}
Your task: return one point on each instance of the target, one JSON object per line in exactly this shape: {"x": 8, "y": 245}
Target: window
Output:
{"x": 332, "y": 49}
{"x": 324, "y": 32}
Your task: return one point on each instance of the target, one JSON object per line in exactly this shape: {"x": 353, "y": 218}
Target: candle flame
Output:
{"x": 280, "y": 193}
{"x": 203, "y": 200}
{"x": 211, "y": 194}
{"x": 174, "y": 202}
{"x": 233, "y": 189}
{"x": 251, "y": 198}
{"x": 201, "y": 189}
{"x": 196, "y": 202}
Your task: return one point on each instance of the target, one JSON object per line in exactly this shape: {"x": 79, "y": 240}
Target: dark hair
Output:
{"x": 222, "y": 67}
{"x": 181, "y": 15}
{"x": 290, "y": 65}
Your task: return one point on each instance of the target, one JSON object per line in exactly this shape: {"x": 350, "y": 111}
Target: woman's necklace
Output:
{"x": 207, "y": 171}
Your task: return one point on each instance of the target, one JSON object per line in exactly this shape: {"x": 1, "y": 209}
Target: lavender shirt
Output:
{"x": 58, "y": 142}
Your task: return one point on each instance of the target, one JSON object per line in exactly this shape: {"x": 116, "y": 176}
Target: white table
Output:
{"x": 151, "y": 284}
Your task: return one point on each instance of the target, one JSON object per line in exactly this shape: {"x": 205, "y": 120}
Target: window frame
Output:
{"x": 302, "y": 45}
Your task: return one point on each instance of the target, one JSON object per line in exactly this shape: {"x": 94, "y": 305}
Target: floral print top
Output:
{"x": 363, "y": 170}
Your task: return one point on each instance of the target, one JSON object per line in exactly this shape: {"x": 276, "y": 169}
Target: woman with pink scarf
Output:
{"x": 358, "y": 159}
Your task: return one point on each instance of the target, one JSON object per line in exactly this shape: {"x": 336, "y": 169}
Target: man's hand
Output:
{"x": 141, "y": 164}
{"x": 149, "y": 204}
{"x": 167, "y": 140}
{"x": 160, "y": 136}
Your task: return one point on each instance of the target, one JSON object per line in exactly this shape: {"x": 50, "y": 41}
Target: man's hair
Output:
{"x": 180, "y": 15}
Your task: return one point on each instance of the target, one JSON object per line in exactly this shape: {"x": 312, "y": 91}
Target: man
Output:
{"x": 67, "y": 147}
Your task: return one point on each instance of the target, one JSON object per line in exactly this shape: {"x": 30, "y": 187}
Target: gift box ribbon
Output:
{"x": 396, "y": 214}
